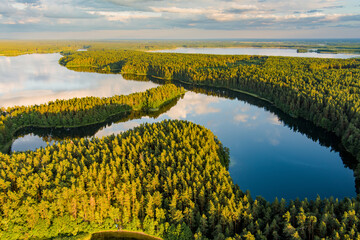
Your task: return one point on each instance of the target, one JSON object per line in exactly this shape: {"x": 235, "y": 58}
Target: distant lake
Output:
{"x": 271, "y": 153}
{"x": 258, "y": 51}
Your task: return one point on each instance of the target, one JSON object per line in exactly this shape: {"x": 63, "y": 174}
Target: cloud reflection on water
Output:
{"x": 195, "y": 104}
{"x": 38, "y": 78}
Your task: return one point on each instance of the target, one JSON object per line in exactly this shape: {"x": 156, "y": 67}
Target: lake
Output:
{"x": 272, "y": 155}
{"x": 39, "y": 78}
{"x": 258, "y": 51}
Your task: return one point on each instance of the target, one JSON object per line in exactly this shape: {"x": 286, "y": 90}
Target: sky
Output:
{"x": 175, "y": 19}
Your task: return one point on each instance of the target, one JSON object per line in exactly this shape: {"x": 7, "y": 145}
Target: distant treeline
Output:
{"x": 324, "y": 91}
{"x": 168, "y": 179}
{"x": 18, "y": 47}
{"x": 79, "y": 112}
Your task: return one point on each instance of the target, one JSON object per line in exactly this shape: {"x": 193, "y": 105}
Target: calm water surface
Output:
{"x": 258, "y": 51}
{"x": 38, "y": 78}
{"x": 267, "y": 157}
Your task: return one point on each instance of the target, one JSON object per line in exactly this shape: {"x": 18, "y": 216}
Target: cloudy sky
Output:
{"x": 186, "y": 19}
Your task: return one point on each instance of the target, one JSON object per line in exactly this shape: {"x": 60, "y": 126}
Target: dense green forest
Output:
{"x": 80, "y": 112}
{"x": 168, "y": 179}
{"x": 324, "y": 91}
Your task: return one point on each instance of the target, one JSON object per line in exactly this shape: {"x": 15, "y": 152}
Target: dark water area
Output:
{"x": 272, "y": 154}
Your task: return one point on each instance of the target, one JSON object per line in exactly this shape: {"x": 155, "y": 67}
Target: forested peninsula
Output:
{"x": 324, "y": 91}
{"x": 80, "y": 112}
{"x": 168, "y": 179}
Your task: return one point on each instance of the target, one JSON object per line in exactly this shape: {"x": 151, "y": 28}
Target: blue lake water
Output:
{"x": 268, "y": 157}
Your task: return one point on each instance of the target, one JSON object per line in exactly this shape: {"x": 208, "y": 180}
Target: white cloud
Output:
{"x": 125, "y": 16}
{"x": 238, "y": 6}
{"x": 274, "y": 142}
{"x": 9, "y": 22}
{"x": 19, "y": 6}
{"x": 274, "y": 120}
{"x": 241, "y": 118}
{"x": 232, "y": 15}
{"x": 222, "y": 17}
{"x": 64, "y": 21}
{"x": 273, "y": 136}
{"x": 237, "y": 12}
{"x": 180, "y": 10}
{"x": 117, "y": 128}
{"x": 30, "y": 20}
{"x": 194, "y": 103}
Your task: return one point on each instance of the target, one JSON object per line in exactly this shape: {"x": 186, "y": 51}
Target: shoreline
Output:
{"x": 7, "y": 145}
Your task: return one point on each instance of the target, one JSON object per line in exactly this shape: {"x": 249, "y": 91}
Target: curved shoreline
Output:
{"x": 214, "y": 86}
{"x": 219, "y": 87}
{"x": 8, "y": 140}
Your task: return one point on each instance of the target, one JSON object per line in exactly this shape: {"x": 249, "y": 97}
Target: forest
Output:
{"x": 80, "y": 112}
{"x": 323, "y": 91}
{"x": 168, "y": 179}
